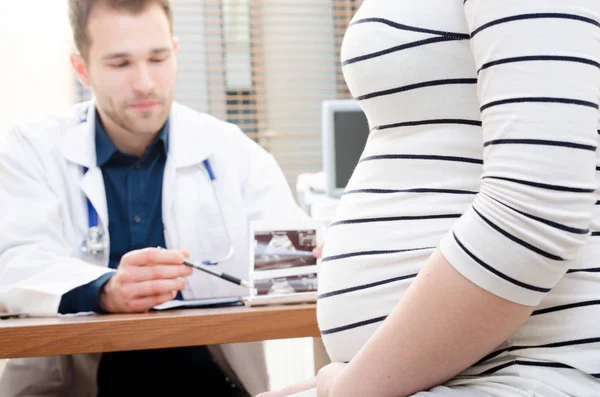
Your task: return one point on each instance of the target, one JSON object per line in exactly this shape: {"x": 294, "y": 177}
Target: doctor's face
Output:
{"x": 131, "y": 67}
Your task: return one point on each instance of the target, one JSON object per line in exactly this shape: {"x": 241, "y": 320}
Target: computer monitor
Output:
{"x": 344, "y": 134}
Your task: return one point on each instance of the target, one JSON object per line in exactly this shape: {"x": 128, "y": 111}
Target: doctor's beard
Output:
{"x": 140, "y": 120}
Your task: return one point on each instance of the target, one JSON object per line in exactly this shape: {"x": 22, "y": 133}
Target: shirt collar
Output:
{"x": 105, "y": 148}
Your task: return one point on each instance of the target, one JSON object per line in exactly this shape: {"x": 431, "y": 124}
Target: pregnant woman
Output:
{"x": 464, "y": 259}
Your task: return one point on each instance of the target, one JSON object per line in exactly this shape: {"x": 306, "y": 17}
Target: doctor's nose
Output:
{"x": 142, "y": 80}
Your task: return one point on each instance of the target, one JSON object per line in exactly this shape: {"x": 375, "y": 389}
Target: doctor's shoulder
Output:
{"x": 226, "y": 136}
{"x": 41, "y": 133}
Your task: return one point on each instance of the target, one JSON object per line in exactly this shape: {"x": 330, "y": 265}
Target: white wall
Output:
{"x": 35, "y": 76}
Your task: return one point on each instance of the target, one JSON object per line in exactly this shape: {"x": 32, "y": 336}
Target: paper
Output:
{"x": 281, "y": 299}
{"x": 204, "y": 302}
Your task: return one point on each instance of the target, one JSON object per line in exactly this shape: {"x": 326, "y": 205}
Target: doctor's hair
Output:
{"x": 80, "y": 10}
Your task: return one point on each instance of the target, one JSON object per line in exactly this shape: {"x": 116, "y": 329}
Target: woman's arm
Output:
{"x": 444, "y": 324}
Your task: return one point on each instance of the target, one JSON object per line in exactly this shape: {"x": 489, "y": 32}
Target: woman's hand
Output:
{"x": 291, "y": 390}
{"x": 327, "y": 378}
{"x": 318, "y": 251}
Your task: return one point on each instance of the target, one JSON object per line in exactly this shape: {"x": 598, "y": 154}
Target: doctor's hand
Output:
{"x": 145, "y": 278}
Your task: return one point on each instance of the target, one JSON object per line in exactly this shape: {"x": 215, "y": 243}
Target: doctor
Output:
{"x": 86, "y": 193}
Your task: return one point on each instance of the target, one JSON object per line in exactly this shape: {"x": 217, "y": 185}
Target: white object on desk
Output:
{"x": 312, "y": 198}
{"x": 281, "y": 299}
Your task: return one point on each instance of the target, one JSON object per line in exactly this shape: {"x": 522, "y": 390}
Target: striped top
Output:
{"x": 484, "y": 129}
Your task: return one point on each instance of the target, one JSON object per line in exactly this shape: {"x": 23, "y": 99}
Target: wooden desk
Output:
{"x": 31, "y": 337}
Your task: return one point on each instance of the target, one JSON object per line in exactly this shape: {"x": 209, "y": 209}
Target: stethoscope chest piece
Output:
{"x": 93, "y": 244}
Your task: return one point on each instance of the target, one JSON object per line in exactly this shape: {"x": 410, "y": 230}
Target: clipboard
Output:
{"x": 225, "y": 301}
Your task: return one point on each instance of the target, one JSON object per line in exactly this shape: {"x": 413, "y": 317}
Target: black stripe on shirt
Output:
{"x": 414, "y": 190}
{"x": 595, "y": 233}
{"x": 459, "y": 36}
{"x": 539, "y": 58}
{"x": 568, "y": 101}
{"x": 588, "y": 270}
{"x": 597, "y": 202}
{"x": 365, "y": 286}
{"x": 527, "y": 363}
{"x": 543, "y": 185}
{"x": 547, "y": 345}
{"x": 395, "y": 219}
{"x": 476, "y": 123}
{"x": 433, "y": 83}
{"x": 575, "y": 342}
{"x": 541, "y": 142}
{"x": 498, "y": 368}
{"x": 396, "y": 49}
{"x": 422, "y": 157}
{"x": 565, "y": 307}
{"x": 518, "y": 240}
{"x": 353, "y": 325}
{"x": 535, "y": 16}
{"x": 491, "y": 355}
{"x": 368, "y": 253}
{"x": 553, "y": 224}
{"x": 498, "y": 273}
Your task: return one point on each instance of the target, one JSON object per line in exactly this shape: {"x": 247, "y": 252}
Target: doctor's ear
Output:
{"x": 78, "y": 64}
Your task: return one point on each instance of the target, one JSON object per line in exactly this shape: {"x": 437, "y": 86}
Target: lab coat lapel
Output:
{"x": 188, "y": 147}
{"x": 79, "y": 147}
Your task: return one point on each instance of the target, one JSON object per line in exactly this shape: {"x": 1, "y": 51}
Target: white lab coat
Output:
{"x": 43, "y": 221}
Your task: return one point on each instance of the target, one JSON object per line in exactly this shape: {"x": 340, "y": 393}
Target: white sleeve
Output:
{"x": 37, "y": 265}
{"x": 538, "y": 85}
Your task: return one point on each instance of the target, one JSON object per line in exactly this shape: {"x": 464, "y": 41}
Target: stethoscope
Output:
{"x": 94, "y": 244}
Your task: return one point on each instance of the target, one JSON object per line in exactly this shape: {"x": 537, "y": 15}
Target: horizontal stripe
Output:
{"x": 543, "y": 185}
{"x": 575, "y": 342}
{"x": 518, "y": 240}
{"x": 498, "y": 368}
{"x": 588, "y": 270}
{"x": 397, "y": 49}
{"x": 410, "y": 87}
{"x": 548, "y": 345}
{"x": 595, "y": 233}
{"x": 531, "y": 58}
{"x": 565, "y": 307}
{"x": 568, "y": 101}
{"x": 597, "y": 202}
{"x": 540, "y": 142}
{"x": 365, "y": 286}
{"x": 526, "y": 363}
{"x": 498, "y": 273}
{"x": 427, "y": 122}
{"x": 353, "y": 325}
{"x": 490, "y": 356}
{"x": 534, "y": 16}
{"x": 553, "y": 224}
{"x": 395, "y": 219}
{"x": 460, "y": 36}
{"x": 369, "y": 253}
{"x": 414, "y": 190}
{"x": 422, "y": 157}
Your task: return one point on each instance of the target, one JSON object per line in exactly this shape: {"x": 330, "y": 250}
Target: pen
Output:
{"x": 217, "y": 273}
